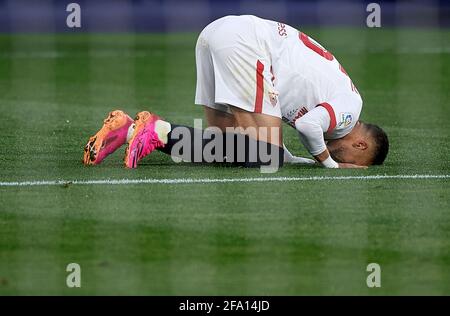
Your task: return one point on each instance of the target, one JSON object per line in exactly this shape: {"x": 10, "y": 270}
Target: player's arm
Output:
{"x": 311, "y": 128}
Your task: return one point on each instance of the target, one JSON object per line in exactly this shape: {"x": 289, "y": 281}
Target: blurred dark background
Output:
{"x": 192, "y": 15}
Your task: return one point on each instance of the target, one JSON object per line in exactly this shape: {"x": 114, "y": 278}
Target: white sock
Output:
{"x": 130, "y": 131}
{"x": 163, "y": 128}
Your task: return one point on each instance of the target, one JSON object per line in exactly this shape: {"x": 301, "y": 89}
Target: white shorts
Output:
{"x": 234, "y": 68}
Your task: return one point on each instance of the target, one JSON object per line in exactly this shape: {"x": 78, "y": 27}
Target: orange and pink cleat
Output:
{"x": 108, "y": 139}
{"x": 144, "y": 137}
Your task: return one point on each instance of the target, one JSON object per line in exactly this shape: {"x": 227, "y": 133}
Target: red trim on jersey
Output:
{"x": 259, "y": 87}
{"x": 330, "y": 111}
{"x": 319, "y": 50}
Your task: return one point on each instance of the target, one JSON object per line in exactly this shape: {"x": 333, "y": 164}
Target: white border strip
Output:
{"x": 210, "y": 180}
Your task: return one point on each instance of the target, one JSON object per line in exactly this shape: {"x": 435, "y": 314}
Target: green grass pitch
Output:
{"x": 267, "y": 238}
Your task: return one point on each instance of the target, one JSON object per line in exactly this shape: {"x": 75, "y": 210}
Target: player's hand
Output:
{"x": 343, "y": 165}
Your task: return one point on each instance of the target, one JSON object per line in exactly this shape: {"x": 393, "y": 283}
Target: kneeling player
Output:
{"x": 252, "y": 74}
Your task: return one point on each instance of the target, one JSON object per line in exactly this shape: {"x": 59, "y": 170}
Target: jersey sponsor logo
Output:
{"x": 296, "y": 114}
{"x": 282, "y": 29}
{"x": 345, "y": 120}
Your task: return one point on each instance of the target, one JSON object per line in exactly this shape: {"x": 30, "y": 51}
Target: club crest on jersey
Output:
{"x": 346, "y": 120}
{"x": 273, "y": 96}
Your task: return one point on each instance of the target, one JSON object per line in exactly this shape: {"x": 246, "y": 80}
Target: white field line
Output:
{"x": 216, "y": 180}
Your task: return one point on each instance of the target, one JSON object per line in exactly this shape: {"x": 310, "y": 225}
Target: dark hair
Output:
{"x": 381, "y": 143}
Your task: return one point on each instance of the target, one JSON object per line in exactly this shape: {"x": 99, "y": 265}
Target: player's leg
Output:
{"x": 220, "y": 119}
{"x": 259, "y": 126}
{"x": 150, "y": 132}
{"x": 108, "y": 139}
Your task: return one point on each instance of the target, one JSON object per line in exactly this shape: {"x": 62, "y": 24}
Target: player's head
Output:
{"x": 367, "y": 144}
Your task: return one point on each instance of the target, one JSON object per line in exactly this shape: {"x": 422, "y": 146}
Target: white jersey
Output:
{"x": 306, "y": 76}
{"x": 268, "y": 67}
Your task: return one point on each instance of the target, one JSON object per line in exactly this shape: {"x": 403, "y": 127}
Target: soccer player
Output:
{"x": 252, "y": 74}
